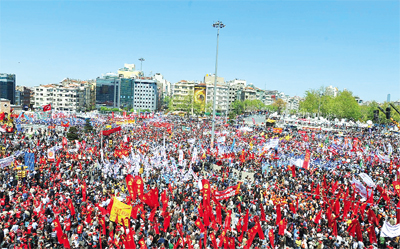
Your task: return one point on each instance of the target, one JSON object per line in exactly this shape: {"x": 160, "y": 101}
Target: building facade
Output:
{"x": 108, "y": 91}
{"x": 62, "y": 97}
{"x": 7, "y": 87}
{"x": 222, "y": 98}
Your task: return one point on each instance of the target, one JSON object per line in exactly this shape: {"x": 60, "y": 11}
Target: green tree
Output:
{"x": 238, "y": 107}
{"x": 88, "y": 126}
{"x": 72, "y": 133}
{"x": 280, "y": 104}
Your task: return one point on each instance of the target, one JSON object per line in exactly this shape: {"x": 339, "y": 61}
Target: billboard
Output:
{"x": 200, "y": 96}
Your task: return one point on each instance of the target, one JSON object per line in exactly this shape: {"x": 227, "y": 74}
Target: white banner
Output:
{"x": 5, "y": 162}
{"x": 361, "y": 189}
{"x": 367, "y": 179}
{"x": 390, "y": 231}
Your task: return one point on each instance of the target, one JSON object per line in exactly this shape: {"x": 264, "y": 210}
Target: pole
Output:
{"x": 217, "y": 25}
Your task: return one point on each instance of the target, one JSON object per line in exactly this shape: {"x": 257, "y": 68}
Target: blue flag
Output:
{"x": 30, "y": 161}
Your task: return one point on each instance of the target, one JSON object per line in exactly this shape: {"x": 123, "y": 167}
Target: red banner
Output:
{"x": 306, "y": 162}
{"x": 396, "y": 186}
{"x": 227, "y": 193}
{"x": 108, "y": 132}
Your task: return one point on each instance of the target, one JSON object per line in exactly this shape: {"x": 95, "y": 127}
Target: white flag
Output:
{"x": 367, "y": 180}
{"x": 390, "y": 231}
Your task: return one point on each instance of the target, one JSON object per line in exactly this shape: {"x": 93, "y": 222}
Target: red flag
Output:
{"x": 307, "y": 159}
{"x": 372, "y": 217}
{"x": 142, "y": 243}
{"x": 71, "y": 207}
{"x": 110, "y": 206}
{"x": 167, "y": 220}
{"x": 398, "y": 212}
{"x": 282, "y": 227}
{"x": 200, "y": 225}
{"x": 64, "y": 141}
{"x": 271, "y": 238}
{"x": 57, "y": 227}
{"x": 371, "y": 234}
{"x": 278, "y": 214}
{"x": 318, "y": 217}
{"x": 262, "y": 212}
{"x": 151, "y": 198}
{"x": 293, "y": 171}
{"x": 206, "y": 192}
{"x": 65, "y": 241}
{"x": 103, "y": 225}
{"x": 214, "y": 242}
{"x": 47, "y": 108}
{"x": 396, "y": 186}
{"x": 84, "y": 190}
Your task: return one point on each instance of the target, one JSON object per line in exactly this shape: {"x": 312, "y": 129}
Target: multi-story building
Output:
{"x": 89, "y": 91}
{"x": 62, "y": 97}
{"x": 182, "y": 90}
{"x": 108, "y": 91}
{"x": 248, "y": 93}
{"x": 235, "y": 90}
{"x": 222, "y": 97}
{"x": 138, "y": 93}
{"x": 7, "y": 87}
{"x": 166, "y": 85}
{"x": 146, "y": 94}
{"x": 331, "y": 91}
{"x": 210, "y": 78}
{"x": 293, "y": 103}
{"x": 129, "y": 71}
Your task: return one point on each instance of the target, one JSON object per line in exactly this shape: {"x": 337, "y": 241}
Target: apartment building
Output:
{"x": 67, "y": 97}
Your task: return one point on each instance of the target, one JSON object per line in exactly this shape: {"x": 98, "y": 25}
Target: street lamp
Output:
{"x": 140, "y": 80}
{"x": 218, "y": 25}
{"x": 319, "y": 104}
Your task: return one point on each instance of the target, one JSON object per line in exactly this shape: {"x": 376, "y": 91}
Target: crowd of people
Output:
{"x": 252, "y": 188}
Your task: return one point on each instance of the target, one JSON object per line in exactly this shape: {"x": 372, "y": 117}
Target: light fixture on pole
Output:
{"x": 140, "y": 81}
{"x": 218, "y": 25}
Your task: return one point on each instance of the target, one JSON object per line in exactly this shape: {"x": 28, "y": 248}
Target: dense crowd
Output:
{"x": 255, "y": 188}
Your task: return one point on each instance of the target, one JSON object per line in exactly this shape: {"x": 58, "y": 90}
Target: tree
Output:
{"x": 88, "y": 126}
{"x": 72, "y": 133}
{"x": 280, "y": 104}
{"x": 238, "y": 107}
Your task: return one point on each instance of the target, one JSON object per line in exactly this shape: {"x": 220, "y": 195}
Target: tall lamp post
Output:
{"x": 319, "y": 104}
{"x": 218, "y": 25}
{"x": 140, "y": 81}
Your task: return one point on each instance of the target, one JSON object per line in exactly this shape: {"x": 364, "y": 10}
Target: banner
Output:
{"x": 5, "y": 162}
{"x": 122, "y": 210}
{"x": 108, "y": 132}
{"x": 361, "y": 190}
{"x": 30, "y": 161}
{"x": 227, "y": 193}
{"x": 367, "y": 180}
{"x": 200, "y": 97}
{"x": 306, "y": 162}
{"x": 277, "y": 130}
{"x": 51, "y": 155}
{"x": 390, "y": 231}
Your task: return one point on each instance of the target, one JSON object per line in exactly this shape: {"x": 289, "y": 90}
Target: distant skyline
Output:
{"x": 290, "y": 46}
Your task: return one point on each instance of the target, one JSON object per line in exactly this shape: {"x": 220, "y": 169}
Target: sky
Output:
{"x": 290, "y": 46}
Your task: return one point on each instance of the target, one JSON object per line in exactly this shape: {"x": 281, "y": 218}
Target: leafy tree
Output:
{"x": 280, "y": 104}
{"x": 72, "y": 133}
{"x": 88, "y": 126}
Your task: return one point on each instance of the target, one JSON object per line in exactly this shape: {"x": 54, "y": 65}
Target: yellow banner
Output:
{"x": 123, "y": 211}
{"x": 108, "y": 126}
